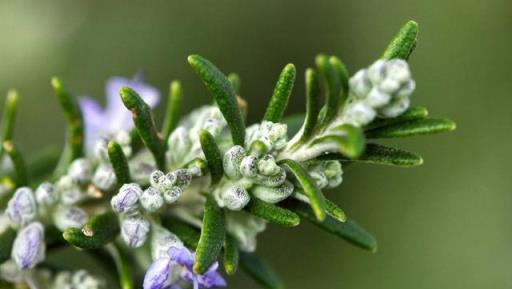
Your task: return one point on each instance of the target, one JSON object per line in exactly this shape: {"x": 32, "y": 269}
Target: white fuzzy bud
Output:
{"x": 232, "y": 160}
{"x": 273, "y": 194}
{"x": 161, "y": 241}
{"x": 126, "y": 201}
{"x": 83, "y": 280}
{"x": 69, "y": 217}
{"x": 319, "y": 177}
{"x": 151, "y": 200}
{"x": 273, "y": 135}
{"x": 46, "y": 194}
{"x": 21, "y": 208}
{"x": 377, "y": 98}
{"x": 104, "y": 177}
{"x": 172, "y": 195}
{"x": 267, "y": 166}
{"x": 395, "y": 108}
{"x": 334, "y": 173}
{"x": 233, "y": 197}
{"x": 183, "y": 178}
{"x": 271, "y": 181}
{"x": 29, "y": 248}
{"x": 69, "y": 192}
{"x": 179, "y": 144}
{"x": 359, "y": 84}
{"x": 154, "y": 178}
{"x": 80, "y": 170}
{"x": 358, "y": 113}
{"x": 100, "y": 149}
{"x": 134, "y": 231}
{"x": 249, "y": 166}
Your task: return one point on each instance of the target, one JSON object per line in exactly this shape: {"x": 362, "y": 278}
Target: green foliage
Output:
{"x": 231, "y": 255}
{"x": 272, "y": 213}
{"x": 224, "y": 94}
{"x": 281, "y": 95}
{"x": 6, "y": 240}
{"x": 172, "y": 114}
{"x": 97, "y": 232}
{"x": 423, "y": 126}
{"x": 212, "y": 237}
{"x": 18, "y": 162}
{"x": 145, "y": 124}
{"x": 404, "y": 42}
{"x": 119, "y": 163}
{"x": 212, "y": 154}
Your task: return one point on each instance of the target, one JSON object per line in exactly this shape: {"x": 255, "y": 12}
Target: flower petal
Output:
{"x": 157, "y": 274}
{"x": 94, "y": 119}
{"x": 182, "y": 256}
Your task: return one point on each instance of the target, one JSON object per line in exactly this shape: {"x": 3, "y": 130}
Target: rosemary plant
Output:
{"x": 165, "y": 206}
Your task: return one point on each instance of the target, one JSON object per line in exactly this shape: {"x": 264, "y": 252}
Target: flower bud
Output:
{"x": 100, "y": 149}
{"x": 395, "y": 108}
{"x": 377, "y": 98}
{"x": 180, "y": 145}
{"x": 80, "y": 171}
{"x": 28, "y": 248}
{"x": 183, "y": 178}
{"x": 275, "y": 194}
{"x": 69, "y": 193}
{"x": 271, "y": 181}
{"x": 69, "y": 217}
{"x": 360, "y": 85}
{"x": 248, "y": 167}
{"x": 126, "y": 201}
{"x": 267, "y": 166}
{"x": 334, "y": 173}
{"x": 233, "y": 197}
{"x": 21, "y": 208}
{"x": 377, "y": 71}
{"x": 232, "y": 160}
{"x": 161, "y": 241}
{"x": 359, "y": 113}
{"x": 134, "y": 231}
{"x": 81, "y": 279}
{"x": 172, "y": 195}
{"x": 319, "y": 177}
{"x": 104, "y": 178}
{"x": 154, "y": 178}
{"x": 151, "y": 200}
{"x": 46, "y": 194}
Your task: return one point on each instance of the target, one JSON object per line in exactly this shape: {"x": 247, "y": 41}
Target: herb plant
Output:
{"x": 166, "y": 206}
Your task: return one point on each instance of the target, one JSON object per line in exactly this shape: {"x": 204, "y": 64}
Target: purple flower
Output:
{"x": 115, "y": 117}
{"x": 28, "y": 248}
{"x": 158, "y": 272}
{"x": 21, "y": 208}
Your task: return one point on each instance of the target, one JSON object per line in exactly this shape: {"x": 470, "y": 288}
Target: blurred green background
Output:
{"x": 443, "y": 225}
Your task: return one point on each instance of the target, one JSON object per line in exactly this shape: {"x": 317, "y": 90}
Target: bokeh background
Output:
{"x": 446, "y": 224}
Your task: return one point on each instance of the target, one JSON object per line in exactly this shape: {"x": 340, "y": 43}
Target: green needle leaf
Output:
{"x": 6, "y": 240}
{"x": 334, "y": 211}
{"x": 235, "y": 81}
{"x": 145, "y": 124}
{"x": 213, "y": 155}
{"x": 172, "y": 113}
{"x": 313, "y": 104}
{"x": 188, "y": 234}
{"x": 272, "y": 213}
{"x": 332, "y": 84}
{"x": 413, "y": 127}
{"x": 119, "y": 163}
{"x": 75, "y": 131}
{"x": 260, "y": 271}
{"x": 281, "y": 95}
{"x": 347, "y": 230}
{"x": 342, "y": 72}
{"x": 123, "y": 265}
{"x": 416, "y": 112}
{"x": 382, "y": 155}
{"x": 313, "y": 193}
{"x": 350, "y": 140}
{"x": 404, "y": 42}
{"x": 18, "y": 163}
{"x": 231, "y": 255}
{"x": 8, "y": 117}
{"x": 224, "y": 94}
{"x": 212, "y": 237}
{"x": 97, "y": 232}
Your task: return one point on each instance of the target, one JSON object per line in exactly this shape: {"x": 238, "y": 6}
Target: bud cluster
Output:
{"x": 327, "y": 174}
{"x": 80, "y": 279}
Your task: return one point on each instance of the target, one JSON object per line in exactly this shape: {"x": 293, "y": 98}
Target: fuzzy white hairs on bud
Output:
{"x": 29, "y": 248}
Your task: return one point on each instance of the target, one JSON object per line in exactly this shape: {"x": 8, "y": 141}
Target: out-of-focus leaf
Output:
{"x": 348, "y": 138}
{"x": 231, "y": 255}
{"x": 172, "y": 112}
{"x": 412, "y": 127}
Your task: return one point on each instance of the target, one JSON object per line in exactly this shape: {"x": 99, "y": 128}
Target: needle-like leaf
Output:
{"x": 212, "y": 236}
{"x": 416, "y": 112}
{"x": 272, "y": 213}
{"x": 404, "y": 42}
{"x": 213, "y": 155}
{"x": 281, "y": 95}
{"x": 313, "y": 104}
{"x": 260, "y": 271}
{"x": 381, "y": 155}
{"x": 349, "y": 140}
{"x": 231, "y": 255}
{"x": 411, "y": 128}
{"x": 20, "y": 169}
{"x": 8, "y": 117}
{"x": 97, "y": 232}
{"x": 145, "y": 124}
{"x": 342, "y": 73}
{"x": 313, "y": 193}
{"x": 123, "y": 265}
{"x": 172, "y": 113}
{"x": 347, "y": 230}
{"x": 224, "y": 94}
{"x": 334, "y": 211}
{"x": 6, "y": 240}
{"x": 332, "y": 87}
{"x": 74, "y": 147}
{"x": 119, "y": 163}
